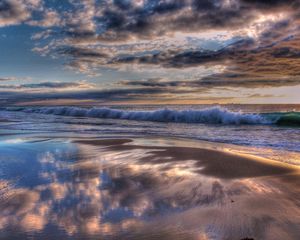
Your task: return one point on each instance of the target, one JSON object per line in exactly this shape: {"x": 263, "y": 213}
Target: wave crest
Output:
{"x": 214, "y": 115}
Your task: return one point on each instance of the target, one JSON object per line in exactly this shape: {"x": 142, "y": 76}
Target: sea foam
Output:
{"x": 213, "y": 115}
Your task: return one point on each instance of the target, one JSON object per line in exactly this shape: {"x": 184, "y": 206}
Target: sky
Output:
{"x": 149, "y": 51}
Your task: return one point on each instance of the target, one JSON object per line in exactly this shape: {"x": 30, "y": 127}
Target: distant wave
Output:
{"x": 214, "y": 115}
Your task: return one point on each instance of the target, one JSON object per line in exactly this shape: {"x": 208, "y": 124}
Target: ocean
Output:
{"x": 271, "y": 131}
{"x": 193, "y": 172}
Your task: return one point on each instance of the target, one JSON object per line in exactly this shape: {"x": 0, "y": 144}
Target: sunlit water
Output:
{"x": 281, "y": 143}
{"x": 57, "y": 183}
{"x": 66, "y": 190}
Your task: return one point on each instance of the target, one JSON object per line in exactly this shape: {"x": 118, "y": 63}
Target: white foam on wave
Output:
{"x": 213, "y": 115}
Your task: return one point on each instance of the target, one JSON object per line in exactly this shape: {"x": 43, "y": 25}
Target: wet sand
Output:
{"x": 142, "y": 189}
{"x": 208, "y": 162}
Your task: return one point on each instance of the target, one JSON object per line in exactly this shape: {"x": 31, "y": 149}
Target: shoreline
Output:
{"x": 137, "y": 188}
{"x": 209, "y": 160}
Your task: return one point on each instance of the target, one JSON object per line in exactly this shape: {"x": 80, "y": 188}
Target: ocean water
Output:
{"x": 271, "y": 131}
{"x": 149, "y": 172}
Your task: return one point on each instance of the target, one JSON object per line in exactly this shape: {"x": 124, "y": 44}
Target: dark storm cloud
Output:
{"x": 271, "y": 3}
{"x": 152, "y": 82}
{"x": 54, "y": 85}
{"x": 274, "y": 52}
{"x": 222, "y": 80}
{"x": 187, "y": 58}
{"x": 249, "y": 64}
{"x": 4, "y": 79}
{"x": 156, "y": 19}
{"x": 215, "y": 80}
{"x": 12, "y": 12}
{"x": 123, "y": 20}
{"x": 85, "y": 36}
{"x": 101, "y": 95}
{"x": 286, "y": 52}
{"x": 119, "y": 20}
{"x": 77, "y": 52}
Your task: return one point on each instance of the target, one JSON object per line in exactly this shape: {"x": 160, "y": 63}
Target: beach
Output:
{"x": 143, "y": 188}
{"x": 149, "y": 120}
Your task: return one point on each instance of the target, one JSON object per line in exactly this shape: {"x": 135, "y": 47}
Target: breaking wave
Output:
{"x": 285, "y": 119}
{"x": 214, "y": 115}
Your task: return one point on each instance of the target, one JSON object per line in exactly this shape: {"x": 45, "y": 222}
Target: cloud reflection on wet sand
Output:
{"x": 118, "y": 189}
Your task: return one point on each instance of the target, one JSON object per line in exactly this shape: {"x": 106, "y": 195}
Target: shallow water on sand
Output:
{"x": 280, "y": 143}
{"x": 70, "y": 188}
